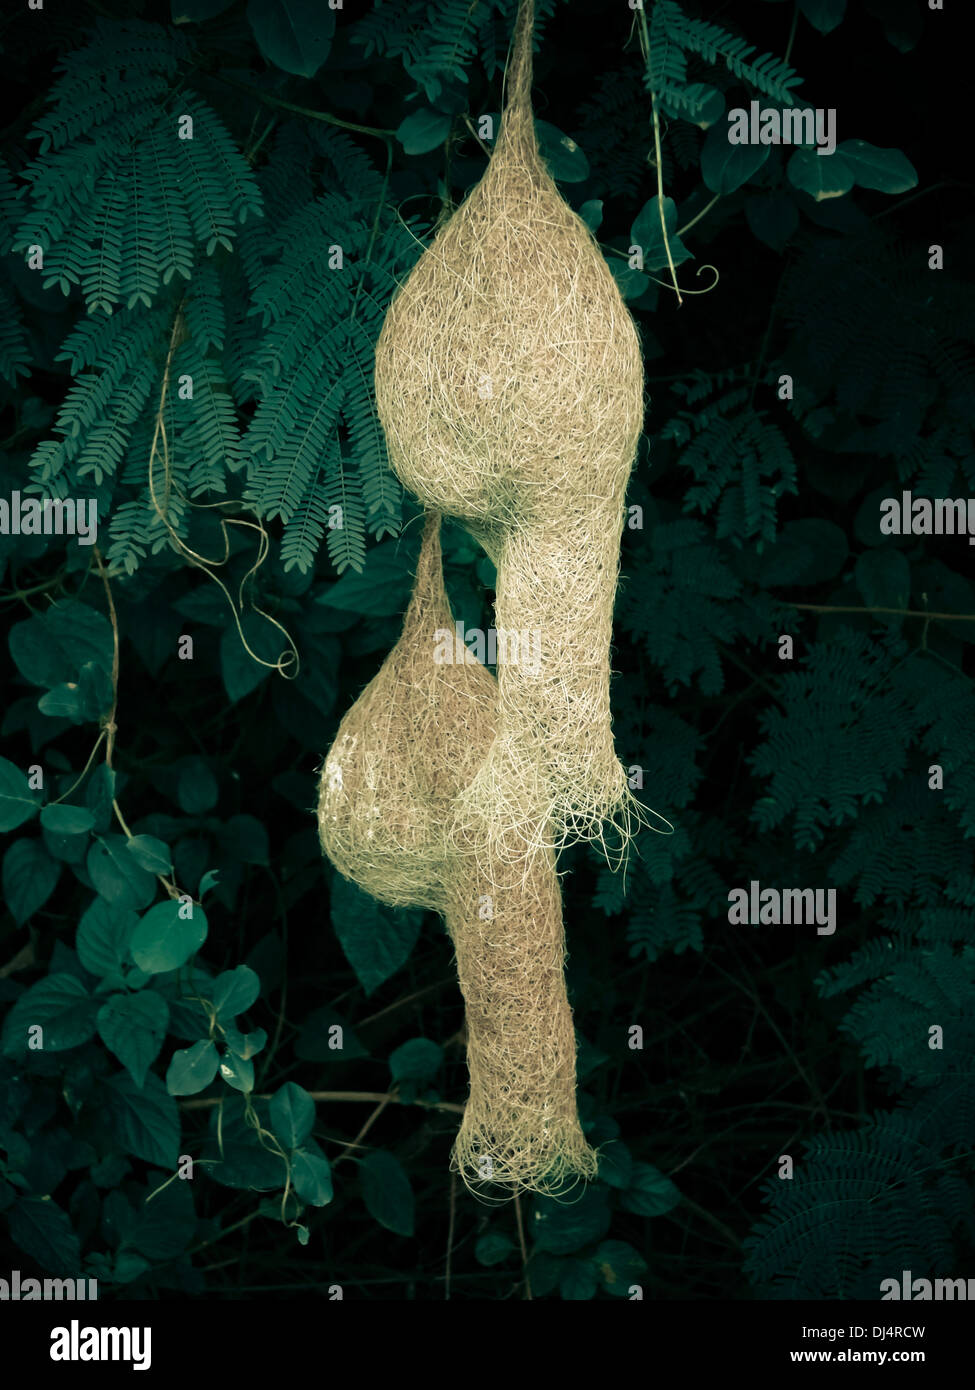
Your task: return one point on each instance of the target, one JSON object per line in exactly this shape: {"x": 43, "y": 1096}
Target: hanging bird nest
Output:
{"x": 509, "y": 384}
{"x": 412, "y": 740}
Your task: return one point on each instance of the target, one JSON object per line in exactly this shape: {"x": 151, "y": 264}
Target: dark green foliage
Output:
{"x": 863, "y": 1206}
{"x": 195, "y": 357}
{"x": 674, "y": 33}
{"x": 740, "y": 460}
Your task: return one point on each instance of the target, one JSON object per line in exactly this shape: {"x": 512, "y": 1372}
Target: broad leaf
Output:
{"x": 17, "y": 802}
{"x": 725, "y": 166}
{"x": 292, "y": 1114}
{"x": 132, "y": 1026}
{"x": 165, "y": 938}
{"x": 30, "y": 876}
{"x": 145, "y": 1121}
{"x": 293, "y": 35}
{"x": 387, "y": 1193}
{"x": 376, "y": 940}
{"x": 116, "y": 874}
{"x": 888, "y": 171}
{"x": 63, "y": 1009}
{"x": 192, "y": 1068}
{"x": 423, "y": 130}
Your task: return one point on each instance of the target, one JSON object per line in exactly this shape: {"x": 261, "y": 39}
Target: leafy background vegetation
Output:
{"x": 168, "y": 917}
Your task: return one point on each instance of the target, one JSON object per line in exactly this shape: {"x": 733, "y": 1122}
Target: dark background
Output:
{"x": 811, "y": 772}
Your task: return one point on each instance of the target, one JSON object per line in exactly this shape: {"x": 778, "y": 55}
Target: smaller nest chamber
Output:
{"x": 415, "y": 736}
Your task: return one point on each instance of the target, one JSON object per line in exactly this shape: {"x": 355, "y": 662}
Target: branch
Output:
{"x": 109, "y": 724}
{"x": 899, "y": 612}
{"x": 303, "y": 110}
{"x": 372, "y": 1097}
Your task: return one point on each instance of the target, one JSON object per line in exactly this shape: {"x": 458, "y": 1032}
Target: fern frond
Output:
{"x": 391, "y": 29}
{"x": 346, "y": 543}
{"x": 276, "y": 415}
{"x": 14, "y": 351}
{"x": 892, "y": 1020}
{"x": 212, "y": 439}
{"x": 770, "y": 75}
{"x": 608, "y": 119}
{"x": 117, "y": 198}
{"x": 861, "y": 1207}
{"x": 450, "y": 48}
{"x": 678, "y": 603}
{"x": 205, "y": 319}
{"x": 306, "y": 528}
{"x": 175, "y": 245}
{"x": 380, "y": 489}
{"x": 87, "y": 398}
{"x": 828, "y": 751}
{"x": 666, "y": 63}
{"x": 107, "y": 440}
{"x": 282, "y": 483}
{"x": 903, "y": 849}
{"x": 90, "y": 101}
{"x": 664, "y": 922}
{"x": 9, "y": 207}
{"x": 353, "y": 169}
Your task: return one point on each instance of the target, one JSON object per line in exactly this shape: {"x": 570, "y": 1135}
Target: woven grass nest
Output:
{"x": 412, "y": 740}
{"x": 509, "y": 383}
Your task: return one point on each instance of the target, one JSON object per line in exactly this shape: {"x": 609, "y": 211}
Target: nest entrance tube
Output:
{"x": 521, "y": 1125}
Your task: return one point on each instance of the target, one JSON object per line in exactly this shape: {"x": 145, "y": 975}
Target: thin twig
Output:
{"x": 109, "y": 724}
{"x": 792, "y": 31}
{"x": 658, "y": 153}
{"x": 524, "y": 1248}
{"x": 357, "y": 1141}
{"x": 270, "y": 100}
{"x": 81, "y": 776}
{"x": 367, "y": 1096}
{"x": 407, "y": 999}
{"x": 450, "y": 1233}
{"x": 899, "y": 612}
{"x": 736, "y": 660}
{"x": 705, "y": 1215}
{"x": 703, "y": 213}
